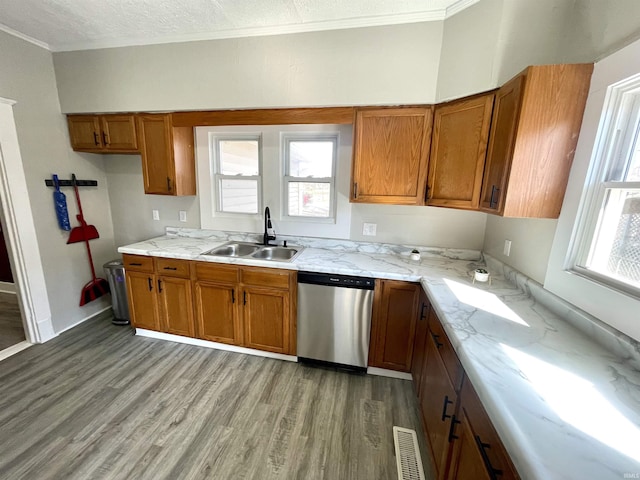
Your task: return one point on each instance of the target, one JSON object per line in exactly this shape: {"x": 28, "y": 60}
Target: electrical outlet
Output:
{"x": 369, "y": 229}
{"x": 507, "y": 247}
{"x": 183, "y": 216}
{"x": 156, "y": 214}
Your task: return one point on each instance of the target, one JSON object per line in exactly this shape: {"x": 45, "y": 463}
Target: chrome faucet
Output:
{"x": 269, "y": 232}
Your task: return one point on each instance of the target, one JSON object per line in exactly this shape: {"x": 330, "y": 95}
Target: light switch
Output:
{"x": 369, "y": 229}
{"x": 183, "y": 216}
{"x": 156, "y": 214}
{"x": 507, "y": 247}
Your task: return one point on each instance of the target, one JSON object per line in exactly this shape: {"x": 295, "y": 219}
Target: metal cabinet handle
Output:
{"x": 233, "y": 296}
{"x": 244, "y": 298}
{"x": 135, "y": 264}
{"x": 168, "y": 184}
{"x": 170, "y": 268}
{"x": 495, "y": 195}
{"x": 435, "y": 339}
{"x": 159, "y": 286}
{"x": 494, "y": 473}
{"x": 452, "y": 428}
{"x": 105, "y": 138}
{"x": 355, "y": 190}
{"x": 150, "y": 283}
{"x": 444, "y": 408}
{"x": 96, "y": 138}
{"x": 422, "y": 314}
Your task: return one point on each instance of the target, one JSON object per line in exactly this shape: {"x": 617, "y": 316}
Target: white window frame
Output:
{"x": 286, "y": 139}
{"x": 619, "y": 126}
{"x": 218, "y": 177}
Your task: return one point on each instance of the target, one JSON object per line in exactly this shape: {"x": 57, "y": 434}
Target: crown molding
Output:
{"x": 458, "y": 7}
{"x": 24, "y": 37}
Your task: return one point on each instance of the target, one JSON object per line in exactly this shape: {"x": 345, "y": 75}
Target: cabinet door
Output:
{"x": 176, "y": 305}
{"x": 501, "y": 141}
{"x": 141, "y": 290}
{"x": 458, "y": 152}
{"x": 156, "y": 151}
{"x": 216, "y": 316}
{"x": 84, "y": 132}
{"x": 420, "y": 342}
{"x": 479, "y": 448}
{"x": 266, "y": 319}
{"x": 438, "y": 401}
{"x": 393, "y": 324}
{"x": 391, "y": 150}
{"x": 119, "y": 133}
{"x": 466, "y": 459}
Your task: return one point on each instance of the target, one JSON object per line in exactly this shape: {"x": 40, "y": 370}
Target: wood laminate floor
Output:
{"x": 100, "y": 403}
{"x": 11, "y": 329}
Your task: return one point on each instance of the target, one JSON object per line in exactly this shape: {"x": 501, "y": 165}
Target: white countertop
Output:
{"x": 564, "y": 407}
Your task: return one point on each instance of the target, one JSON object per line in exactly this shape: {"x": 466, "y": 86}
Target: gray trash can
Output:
{"x": 114, "y": 271}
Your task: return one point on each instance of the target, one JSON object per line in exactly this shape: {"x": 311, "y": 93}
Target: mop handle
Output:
{"x": 75, "y": 190}
{"x": 93, "y": 270}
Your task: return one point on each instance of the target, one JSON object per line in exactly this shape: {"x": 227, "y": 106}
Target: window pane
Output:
{"x": 239, "y": 196}
{"x": 309, "y": 199}
{"x": 307, "y": 158}
{"x": 633, "y": 173}
{"x": 238, "y": 157}
{"x": 616, "y": 247}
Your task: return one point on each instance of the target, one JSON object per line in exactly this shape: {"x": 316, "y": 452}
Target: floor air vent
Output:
{"x": 407, "y": 454}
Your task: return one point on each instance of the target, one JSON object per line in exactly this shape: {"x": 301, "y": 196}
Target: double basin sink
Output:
{"x": 255, "y": 251}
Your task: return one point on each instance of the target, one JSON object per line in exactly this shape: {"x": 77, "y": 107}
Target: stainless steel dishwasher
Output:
{"x": 334, "y": 319}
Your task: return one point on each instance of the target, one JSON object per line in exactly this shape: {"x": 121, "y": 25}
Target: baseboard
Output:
{"x": 383, "y": 372}
{"x": 13, "y": 349}
{"x": 6, "y": 287}
{"x": 105, "y": 312}
{"x": 215, "y": 345}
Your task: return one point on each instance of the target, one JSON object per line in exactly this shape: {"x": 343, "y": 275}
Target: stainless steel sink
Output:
{"x": 281, "y": 254}
{"x": 258, "y": 252}
{"x": 234, "y": 249}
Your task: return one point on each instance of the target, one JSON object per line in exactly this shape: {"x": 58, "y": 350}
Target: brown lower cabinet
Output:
{"x": 462, "y": 443}
{"x": 245, "y": 306}
{"x": 393, "y": 324}
{"x": 160, "y": 295}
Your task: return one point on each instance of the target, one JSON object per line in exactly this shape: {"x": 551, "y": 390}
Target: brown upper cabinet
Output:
{"x": 390, "y": 155}
{"x": 103, "y": 133}
{"x": 458, "y": 152}
{"x": 536, "y": 121}
{"x": 168, "y": 162}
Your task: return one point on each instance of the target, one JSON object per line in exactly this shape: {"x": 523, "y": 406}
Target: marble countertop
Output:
{"x": 564, "y": 406}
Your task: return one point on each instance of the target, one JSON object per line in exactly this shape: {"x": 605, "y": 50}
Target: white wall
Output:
{"x": 551, "y": 31}
{"x": 378, "y": 65}
{"x": 131, "y": 209}
{"x": 615, "y": 308}
{"x": 28, "y": 78}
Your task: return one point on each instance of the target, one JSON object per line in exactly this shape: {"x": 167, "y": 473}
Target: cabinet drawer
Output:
{"x": 138, "y": 263}
{"x": 216, "y": 273}
{"x": 172, "y": 267}
{"x": 266, "y": 277}
{"x": 446, "y": 351}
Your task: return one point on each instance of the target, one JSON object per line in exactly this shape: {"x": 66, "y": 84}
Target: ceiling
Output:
{"x": 61, "y": 25}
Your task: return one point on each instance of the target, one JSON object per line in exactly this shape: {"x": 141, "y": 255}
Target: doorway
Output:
{"x": 11, "y": 325}
{"x": 20, "y": 238}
